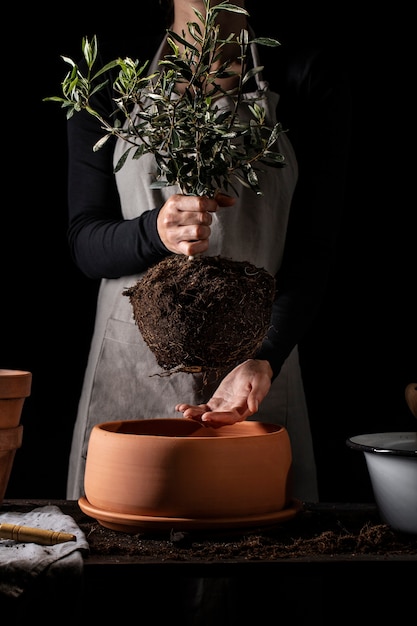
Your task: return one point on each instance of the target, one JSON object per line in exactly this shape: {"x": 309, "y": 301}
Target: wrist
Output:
{"x": 266, "y": 367}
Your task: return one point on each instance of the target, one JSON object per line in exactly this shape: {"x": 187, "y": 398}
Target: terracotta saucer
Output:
{"x": 142, "y": 523}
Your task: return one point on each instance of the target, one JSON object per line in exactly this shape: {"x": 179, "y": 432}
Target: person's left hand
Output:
{"x": 237, "y": 397}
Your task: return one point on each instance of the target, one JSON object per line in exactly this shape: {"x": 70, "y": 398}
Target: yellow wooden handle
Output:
{"x": 34, "y": 535}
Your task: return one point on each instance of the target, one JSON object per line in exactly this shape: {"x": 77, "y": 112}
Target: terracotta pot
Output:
{"x": 176, "y": 468}
{"x": 15, "y": 386}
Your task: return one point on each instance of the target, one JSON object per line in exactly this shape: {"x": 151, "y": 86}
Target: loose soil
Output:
{"x": 202, "y": 314}
{"x": 342, "y": 531}
{"x": 310, "y": 535}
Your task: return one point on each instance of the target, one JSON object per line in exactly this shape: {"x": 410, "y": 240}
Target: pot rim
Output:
{"x": 15, "y": 383}
{"x": 188, "y": 429}
{"x": 389, "y": 443}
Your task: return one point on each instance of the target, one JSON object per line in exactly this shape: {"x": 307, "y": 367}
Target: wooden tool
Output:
{"x": 34, "y": 535}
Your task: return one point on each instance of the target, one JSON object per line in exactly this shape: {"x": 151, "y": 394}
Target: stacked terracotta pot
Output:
{"x": 15, "y": 387}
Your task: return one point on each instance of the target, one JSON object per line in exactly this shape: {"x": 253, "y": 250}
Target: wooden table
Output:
{"x": 332, "y": 559}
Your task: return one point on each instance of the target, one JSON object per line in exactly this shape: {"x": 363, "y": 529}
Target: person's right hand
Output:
{"x": 237, "y": 397}
{"x": 184, "y": 222}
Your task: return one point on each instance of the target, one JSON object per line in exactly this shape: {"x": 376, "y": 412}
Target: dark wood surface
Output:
{"x": 320, "y": 535}
{"x": 330, "y": 561}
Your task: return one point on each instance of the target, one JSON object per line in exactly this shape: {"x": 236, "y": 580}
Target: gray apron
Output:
{"x": 123, "y": 380}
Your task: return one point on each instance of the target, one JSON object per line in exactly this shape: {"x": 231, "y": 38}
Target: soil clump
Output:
{"x": 203, "y": 314}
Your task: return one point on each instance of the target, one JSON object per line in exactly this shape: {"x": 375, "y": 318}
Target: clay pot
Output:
{"x": 15, "y": 387}
{"x": 176, "y": 468}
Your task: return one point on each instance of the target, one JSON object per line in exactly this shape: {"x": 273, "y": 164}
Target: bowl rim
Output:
{"x": 189, "y": 429}
{"x": 389, "y": 443}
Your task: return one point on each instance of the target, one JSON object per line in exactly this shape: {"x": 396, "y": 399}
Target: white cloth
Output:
{"x": 22, "y": 562}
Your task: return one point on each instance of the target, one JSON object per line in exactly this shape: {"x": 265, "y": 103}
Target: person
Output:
{"x": 118, "y": 227}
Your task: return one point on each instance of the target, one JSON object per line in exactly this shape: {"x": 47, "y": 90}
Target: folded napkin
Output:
{"x": 21, "y": 563}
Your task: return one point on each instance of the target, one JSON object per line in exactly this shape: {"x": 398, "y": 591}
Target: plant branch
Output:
{"x": 177, "y": 113}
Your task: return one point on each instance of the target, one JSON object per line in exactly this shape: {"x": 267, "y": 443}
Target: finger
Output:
{"x": 253, "y": 403}
{"x": 223, "y": 200}
{"x": 193, "y": 232}
{"x": 196, "y": 204}
{"x": 193, "y": 414}
{"x": 190, "y": 410}
{"x": 193, "y": 248}
{"x": 197, "y": 219}
{"x": 223, "y": 418}
{"x": 203, "y": 204}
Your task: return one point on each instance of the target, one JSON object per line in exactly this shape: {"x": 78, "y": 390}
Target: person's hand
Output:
{"x": 184, "y": 222}
{"x": 237, "y": 397}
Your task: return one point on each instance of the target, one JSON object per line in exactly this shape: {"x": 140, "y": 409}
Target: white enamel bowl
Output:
{"x": 391, "y": 459}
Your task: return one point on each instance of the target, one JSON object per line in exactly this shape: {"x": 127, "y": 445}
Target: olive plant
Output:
{"x": 178, "y": 113}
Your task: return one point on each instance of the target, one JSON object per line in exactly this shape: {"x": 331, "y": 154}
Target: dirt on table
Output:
{"x": 317, "y": 530}
{"x": 309, "y": 535}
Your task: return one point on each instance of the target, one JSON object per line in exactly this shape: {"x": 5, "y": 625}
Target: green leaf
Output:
{"x": 266, "y": 41}
{"x": 122, "y": 160}
{"x": 54, "y": 99}
{"x": 183, "y": 41}
{"x": 224, "y": 6}
{"x": 68, "y": 60}
{"x": 106, "y": 68}
{"x": 159, "y": 184}
{"x": 101, "y": 142}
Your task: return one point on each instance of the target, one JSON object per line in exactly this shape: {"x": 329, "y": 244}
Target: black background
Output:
{"x": 361, "y": 352}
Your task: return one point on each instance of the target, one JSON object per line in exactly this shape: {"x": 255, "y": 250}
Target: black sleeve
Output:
{"x": 102, "y": 243}
{"x": 315, "y": 107}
